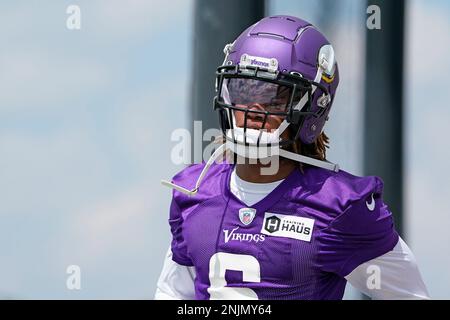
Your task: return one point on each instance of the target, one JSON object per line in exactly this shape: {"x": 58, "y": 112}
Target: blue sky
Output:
{"x": 427, "y": 115}
{"x": 85, "y": 124}
{"x": 82, "y": 114}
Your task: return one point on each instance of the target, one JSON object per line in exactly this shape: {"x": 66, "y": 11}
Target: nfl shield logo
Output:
{"x": 246, "y": 215}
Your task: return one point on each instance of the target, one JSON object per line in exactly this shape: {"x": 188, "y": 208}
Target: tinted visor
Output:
{"x": 245, "y": 92}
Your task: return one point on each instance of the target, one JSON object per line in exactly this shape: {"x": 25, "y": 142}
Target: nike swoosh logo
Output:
{"x": 371, "y": 205}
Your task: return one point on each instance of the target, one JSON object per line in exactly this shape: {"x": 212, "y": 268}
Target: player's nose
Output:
{"x": 256, "y": 115}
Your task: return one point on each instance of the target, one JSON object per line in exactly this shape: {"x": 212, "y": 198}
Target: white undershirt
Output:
{"x": 249, "y": 192}
{"x": 399, "y": 275}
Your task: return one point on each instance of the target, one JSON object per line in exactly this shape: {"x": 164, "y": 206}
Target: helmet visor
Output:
{"x": 245, "y": 92}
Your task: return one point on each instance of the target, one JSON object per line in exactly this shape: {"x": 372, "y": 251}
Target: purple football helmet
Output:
{"x": 286, "y": 65}
{"x": 280, "y": 66}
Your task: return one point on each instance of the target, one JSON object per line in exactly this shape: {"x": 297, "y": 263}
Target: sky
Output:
{"x": 85, "y": 123}
{"x": 427, "y": 115}
{"x": 84, "y": 140}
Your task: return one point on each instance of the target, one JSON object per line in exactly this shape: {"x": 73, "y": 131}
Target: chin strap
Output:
{"x": 222, "y": 148}
{"x": 314, "y": 162}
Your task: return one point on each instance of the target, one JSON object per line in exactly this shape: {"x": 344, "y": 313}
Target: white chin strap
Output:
{"x": 267, "y": 151}
{"x": 252, "y": 152}
{"x": 219, "y": 151}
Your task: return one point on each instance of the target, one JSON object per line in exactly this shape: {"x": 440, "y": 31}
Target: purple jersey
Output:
{"x": 299, "y": 242}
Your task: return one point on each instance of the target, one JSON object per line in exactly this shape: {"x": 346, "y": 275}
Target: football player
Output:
{"x": 301, "y": 231}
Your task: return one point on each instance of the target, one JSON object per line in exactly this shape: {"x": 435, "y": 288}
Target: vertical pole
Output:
{"x": 383, "y": 118}
{"x": 216, "y": 23}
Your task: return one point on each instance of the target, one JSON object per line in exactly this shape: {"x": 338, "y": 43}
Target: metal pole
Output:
{"x": 216, "y": 23}
{"x": 383, "y": 127}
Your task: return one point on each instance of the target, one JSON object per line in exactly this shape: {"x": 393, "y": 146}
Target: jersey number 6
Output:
{"x": 222, "y": 261}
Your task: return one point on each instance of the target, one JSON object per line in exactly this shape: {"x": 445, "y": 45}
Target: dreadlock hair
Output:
{"x": 316, "y": 150}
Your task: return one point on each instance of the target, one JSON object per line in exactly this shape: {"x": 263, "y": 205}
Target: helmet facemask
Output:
{"x": 248, "y": 105}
